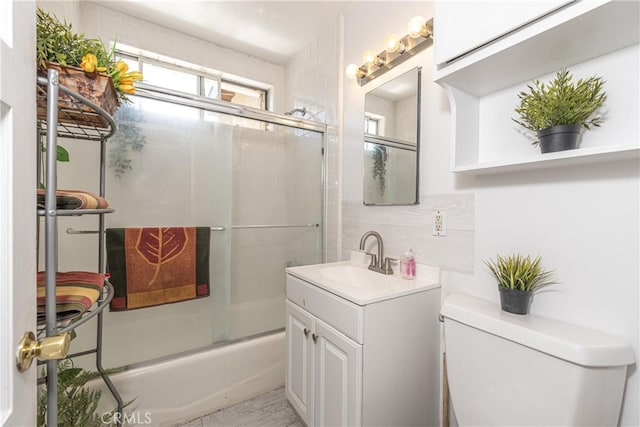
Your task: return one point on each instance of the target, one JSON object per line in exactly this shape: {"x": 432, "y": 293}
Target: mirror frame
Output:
{"x": 368, "y": 138}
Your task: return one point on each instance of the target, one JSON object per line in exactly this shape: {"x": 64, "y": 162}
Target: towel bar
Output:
{"x": 71, "y": 230}
{"x": 275, "y": 226}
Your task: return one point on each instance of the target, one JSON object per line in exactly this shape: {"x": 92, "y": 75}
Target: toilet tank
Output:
{"x": 510, "y": 370}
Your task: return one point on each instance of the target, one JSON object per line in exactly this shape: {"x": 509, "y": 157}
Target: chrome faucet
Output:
{"x": 378, "y": 263}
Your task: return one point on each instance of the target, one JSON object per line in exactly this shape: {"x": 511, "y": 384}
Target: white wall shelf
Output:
{"x": 591, "y": 37}
{"x": 549, "y": 160}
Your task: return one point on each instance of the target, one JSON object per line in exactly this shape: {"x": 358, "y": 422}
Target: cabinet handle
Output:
{"x": 306, "y": 332}
{"x": 315, "y": 337}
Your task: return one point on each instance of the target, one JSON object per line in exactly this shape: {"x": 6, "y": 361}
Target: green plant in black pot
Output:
{"x": 557, "y": 110}
{"x": 518, "y": 278}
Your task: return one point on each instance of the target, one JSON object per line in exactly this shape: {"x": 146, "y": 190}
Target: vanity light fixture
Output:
{"x": 396, "y": 50}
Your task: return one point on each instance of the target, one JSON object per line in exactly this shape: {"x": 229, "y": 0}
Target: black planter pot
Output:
{"x": 559, "y": 138}
{"x": 515, "y": 301}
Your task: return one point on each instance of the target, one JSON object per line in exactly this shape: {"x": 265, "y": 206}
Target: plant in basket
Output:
{"x": 85, "y": 67}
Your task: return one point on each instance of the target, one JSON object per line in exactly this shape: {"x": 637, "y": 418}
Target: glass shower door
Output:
{"x": 257, "y": 185}
{"x": 277, "y": 197}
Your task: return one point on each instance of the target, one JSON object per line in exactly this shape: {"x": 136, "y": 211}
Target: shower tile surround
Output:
{"x": 312, "y": 81}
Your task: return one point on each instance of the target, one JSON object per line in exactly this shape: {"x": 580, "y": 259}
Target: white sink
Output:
{"x": 356, "y": 276}
{"x": 353, "y": 281}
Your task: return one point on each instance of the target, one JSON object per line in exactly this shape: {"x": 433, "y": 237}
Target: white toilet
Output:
{"x": 511, "y": 370}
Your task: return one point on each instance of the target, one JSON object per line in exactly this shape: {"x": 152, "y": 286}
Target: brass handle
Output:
{"x": 315, "y": 337}
{"x": 306, "y": 332}
{"x": 50, "y": 348}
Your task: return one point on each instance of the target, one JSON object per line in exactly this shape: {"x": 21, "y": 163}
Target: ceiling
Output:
{"x": 272, "y": 30}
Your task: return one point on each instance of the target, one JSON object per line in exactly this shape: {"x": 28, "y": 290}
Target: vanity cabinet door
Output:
{"x": 338, "y": 378}
{"x": 300, "y": 355}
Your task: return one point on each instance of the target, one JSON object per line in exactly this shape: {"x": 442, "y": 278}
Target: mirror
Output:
{"x": 392, "y": 141}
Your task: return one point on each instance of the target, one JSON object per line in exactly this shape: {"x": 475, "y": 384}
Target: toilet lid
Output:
{"x": 576, "y": 344}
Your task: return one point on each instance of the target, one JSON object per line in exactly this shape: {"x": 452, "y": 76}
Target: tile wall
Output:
{"x": 313, "y": 81}
{"x": 410, "y": 227}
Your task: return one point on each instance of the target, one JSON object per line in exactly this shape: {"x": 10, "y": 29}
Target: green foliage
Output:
{"x": 520, "y": 272}
{"x": 77, "y": 404}
{"x": 58, "y": 42}
{"x": 62, "y": 155}
{"x": 561, "y": 102}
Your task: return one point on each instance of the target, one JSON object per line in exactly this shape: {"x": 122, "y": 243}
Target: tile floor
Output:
{"x": 269, "y": 409}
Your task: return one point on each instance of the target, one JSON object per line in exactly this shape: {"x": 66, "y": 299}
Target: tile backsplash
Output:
{"x": 410, "y": 227}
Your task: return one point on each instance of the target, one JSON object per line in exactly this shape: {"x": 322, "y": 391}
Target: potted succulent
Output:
{"x": 85, "y": 66}
{"x": 559, "y": 109}
{"x": 518, "y": 278}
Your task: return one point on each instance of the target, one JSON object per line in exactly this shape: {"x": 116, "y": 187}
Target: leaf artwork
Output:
{"x": 160, "y": 245}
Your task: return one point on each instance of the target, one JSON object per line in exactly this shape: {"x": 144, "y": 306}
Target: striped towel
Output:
{"x": 74, "y": 199}
{"x": 76, "y": 292}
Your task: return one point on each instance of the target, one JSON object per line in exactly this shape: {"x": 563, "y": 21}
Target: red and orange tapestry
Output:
{"x": 159, "y": 265}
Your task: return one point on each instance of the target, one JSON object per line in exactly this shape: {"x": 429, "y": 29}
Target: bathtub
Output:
{"x": 181, "y": 389}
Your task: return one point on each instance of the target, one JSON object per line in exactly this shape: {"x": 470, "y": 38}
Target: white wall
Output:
{"x": 582, "y": 220}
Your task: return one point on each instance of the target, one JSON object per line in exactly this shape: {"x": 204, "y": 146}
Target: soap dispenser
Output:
{"x": 408, "y": 265}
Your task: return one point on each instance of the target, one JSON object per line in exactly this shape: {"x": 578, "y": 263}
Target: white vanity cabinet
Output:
{"x": 314, "y": 347}
{"x": 462, "y": 26}
{"x": 370, "y": 364}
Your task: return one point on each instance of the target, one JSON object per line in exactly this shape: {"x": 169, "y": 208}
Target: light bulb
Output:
{"x": 369, "y": 57}
{"x": 392, "y": 43}
{"x": 352, "y": 71}
{"x": 416, "y": 26}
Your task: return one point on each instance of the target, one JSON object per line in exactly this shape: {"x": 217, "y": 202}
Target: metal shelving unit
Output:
{"x": 76, "y": 118}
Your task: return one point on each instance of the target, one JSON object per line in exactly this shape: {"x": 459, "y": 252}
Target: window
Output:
{"x": 157, "y": 75}
{"x": 371, "y": 125}
{"x": 192, "y": 79}
{"x": 374, "y": 124}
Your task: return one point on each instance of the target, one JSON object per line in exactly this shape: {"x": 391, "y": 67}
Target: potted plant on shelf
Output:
{"x": 558, "y": 110}
{"x": 85, "y": 66}
{"x": 518, "y": 278}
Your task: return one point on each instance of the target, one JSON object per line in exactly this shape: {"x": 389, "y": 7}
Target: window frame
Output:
{"x": 200, "y": 77}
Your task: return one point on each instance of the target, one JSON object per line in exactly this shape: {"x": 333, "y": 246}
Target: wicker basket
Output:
{"x": 96, "y": 87}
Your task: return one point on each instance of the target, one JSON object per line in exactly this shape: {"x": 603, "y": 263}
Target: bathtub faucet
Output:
{"x": 379, "y": 263}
